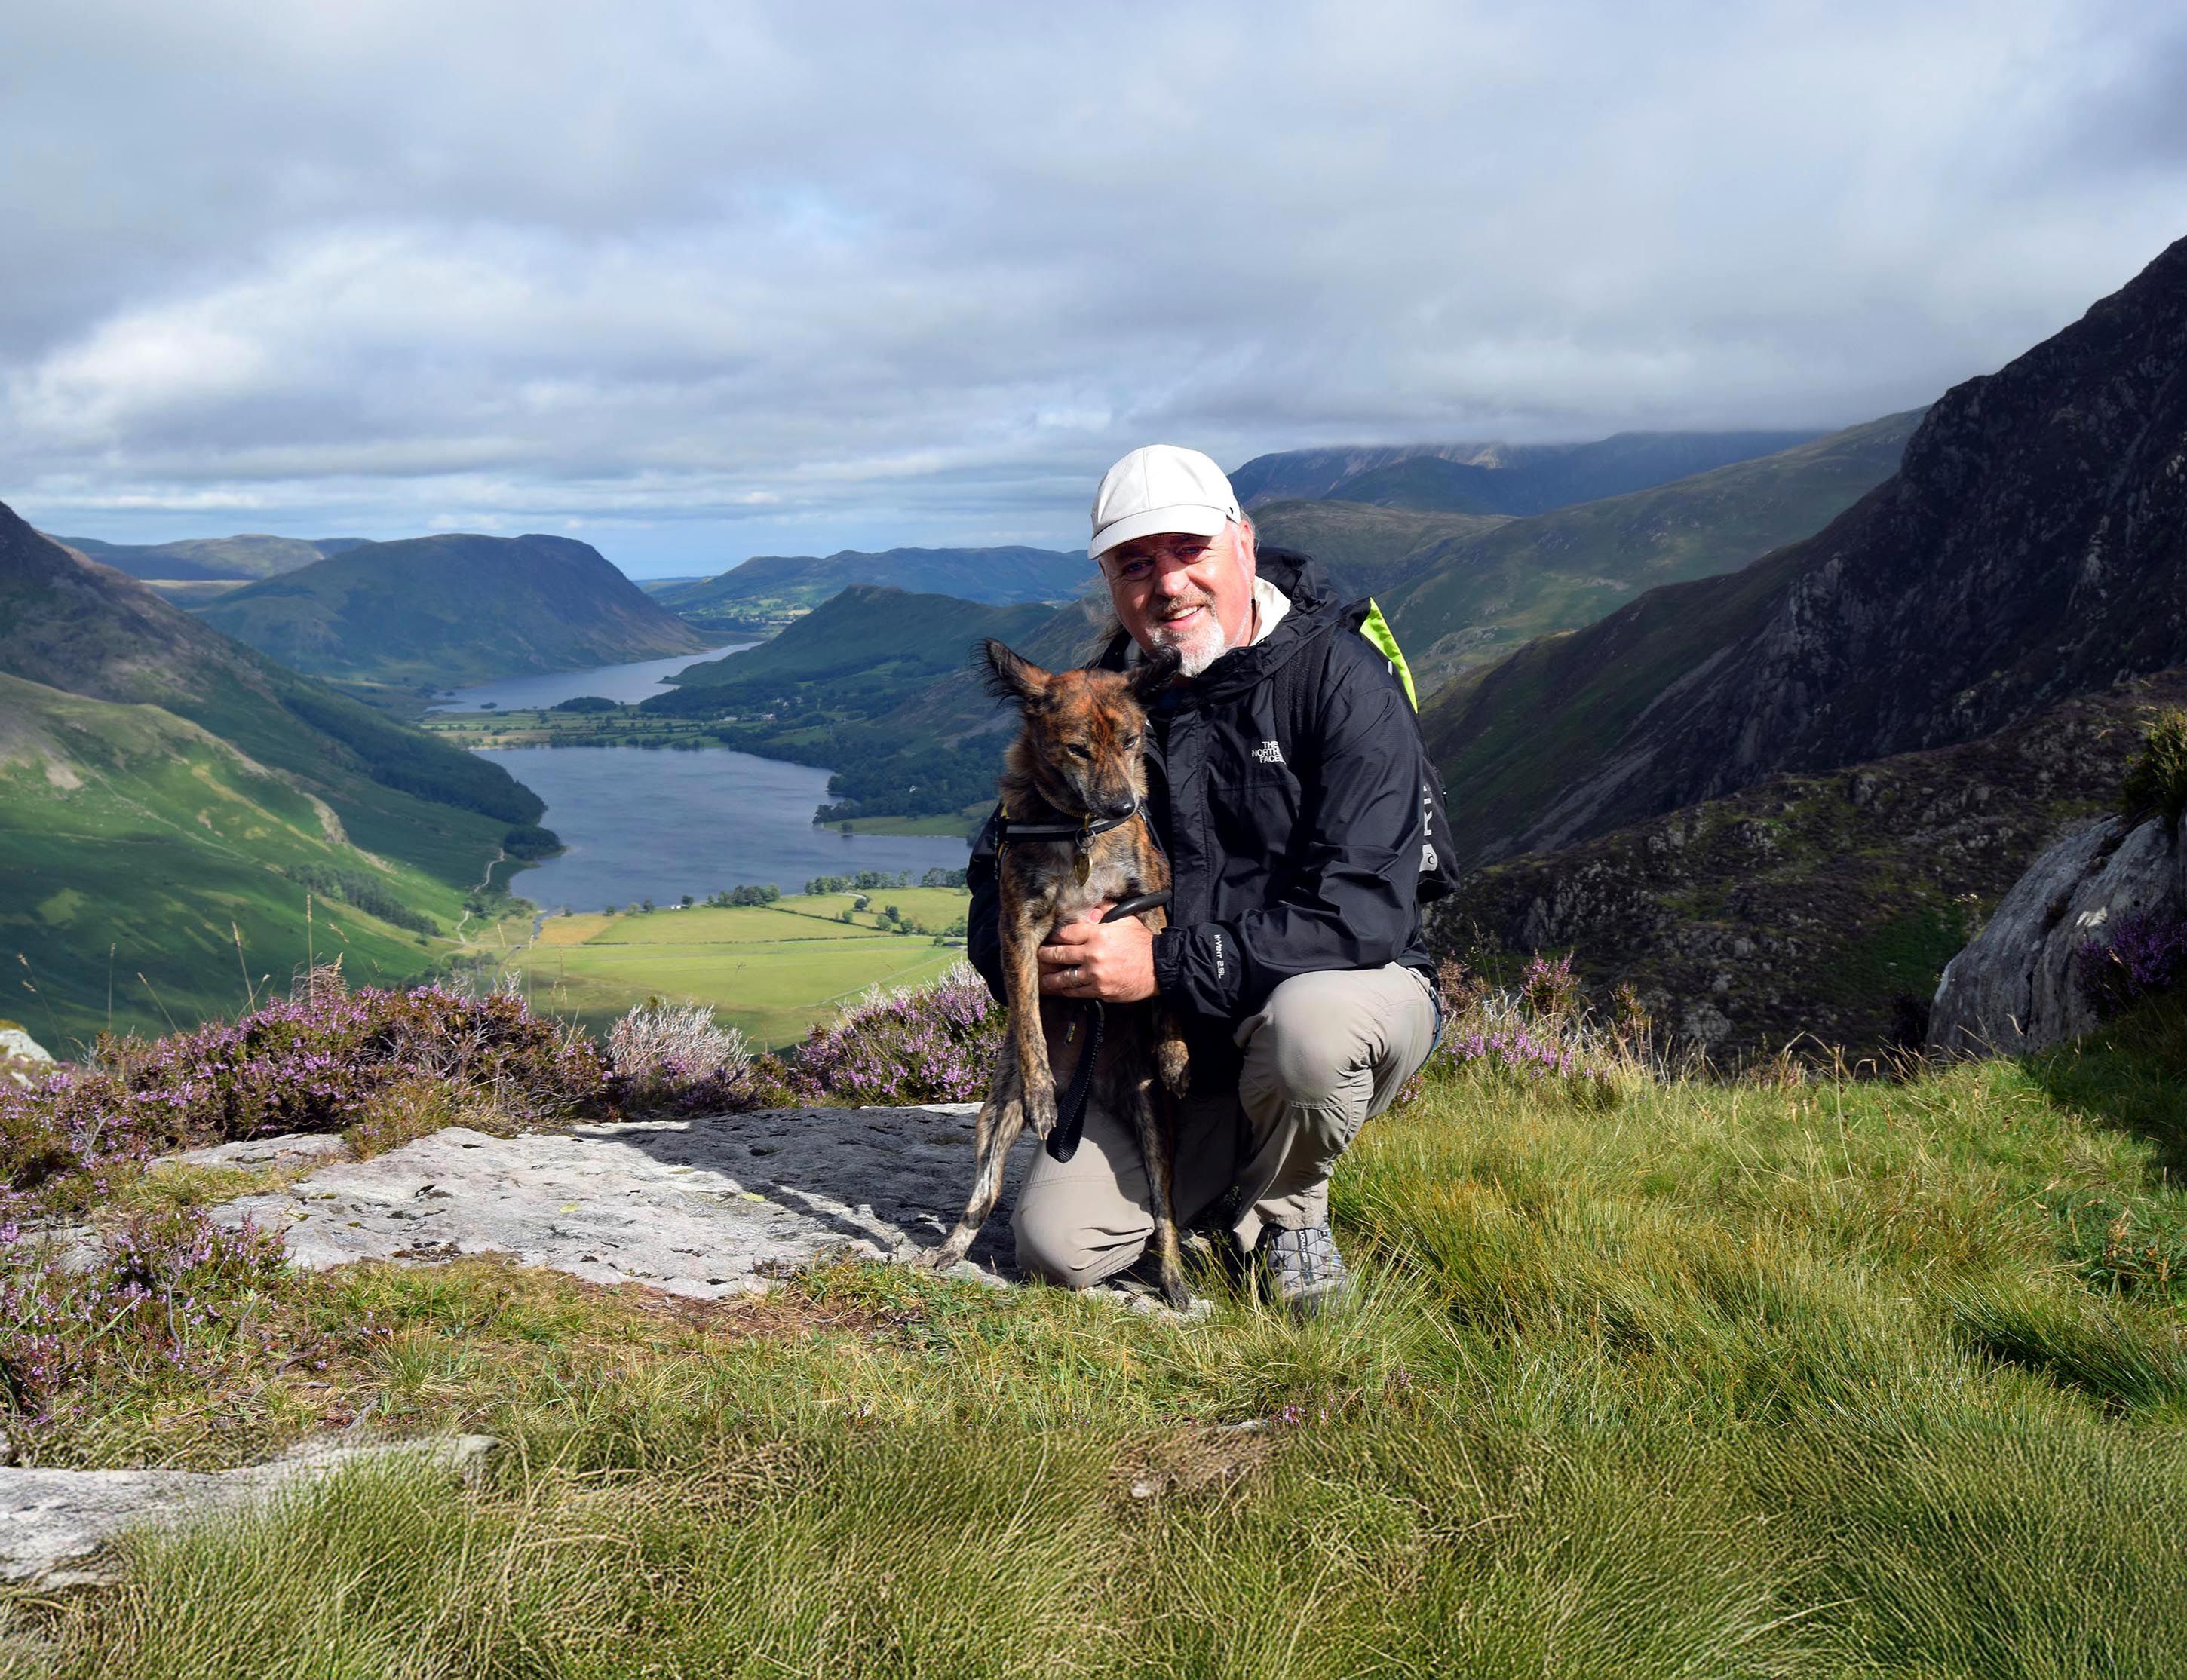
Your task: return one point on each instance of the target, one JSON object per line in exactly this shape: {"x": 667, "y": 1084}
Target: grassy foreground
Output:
{"x": 1800, "y": 1380}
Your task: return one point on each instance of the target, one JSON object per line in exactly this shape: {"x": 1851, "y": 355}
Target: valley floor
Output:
{"x": 1802, "y": 1378}
{"x": 770, "y": 971}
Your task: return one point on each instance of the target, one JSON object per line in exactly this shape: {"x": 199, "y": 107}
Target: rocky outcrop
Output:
{"x": 2032, "y": 547}
{"x": 701, "y": 1208}
{"x": 2018, "y": 987}
{"x": 1816, "y": 907}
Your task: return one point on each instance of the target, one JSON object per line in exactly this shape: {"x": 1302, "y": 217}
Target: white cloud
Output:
{"x": 709, "y": 278}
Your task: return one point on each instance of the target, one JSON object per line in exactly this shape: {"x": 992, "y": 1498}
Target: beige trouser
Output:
{"x": 1326, "y": 1052}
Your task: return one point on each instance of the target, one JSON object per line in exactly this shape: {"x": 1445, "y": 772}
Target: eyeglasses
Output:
{"x": 1139, "y": 565}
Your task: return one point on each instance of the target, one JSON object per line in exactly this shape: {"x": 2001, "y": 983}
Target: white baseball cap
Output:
{"x": 1161, "y": 487}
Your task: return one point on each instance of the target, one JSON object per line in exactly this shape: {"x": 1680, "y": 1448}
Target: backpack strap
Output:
{"x": 1376, "y": 629}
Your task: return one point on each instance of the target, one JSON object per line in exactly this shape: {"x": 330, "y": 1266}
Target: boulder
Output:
{"x": 22, "y": 1058}
{"x": 2016, "y": 987}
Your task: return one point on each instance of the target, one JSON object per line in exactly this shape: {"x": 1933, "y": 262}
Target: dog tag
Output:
{"x": 1083, "y": 868}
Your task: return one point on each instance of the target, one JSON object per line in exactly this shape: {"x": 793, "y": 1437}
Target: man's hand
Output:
{"x": 1110, "y": 962}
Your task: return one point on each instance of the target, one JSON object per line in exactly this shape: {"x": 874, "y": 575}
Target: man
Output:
{"x": 1287, "y": 786}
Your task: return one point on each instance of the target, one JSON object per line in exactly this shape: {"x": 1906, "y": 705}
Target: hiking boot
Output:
{"x": 1303, "y": 1269}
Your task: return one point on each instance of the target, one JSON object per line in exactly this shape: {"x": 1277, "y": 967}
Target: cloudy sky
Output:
{"x": 696, "y": 282}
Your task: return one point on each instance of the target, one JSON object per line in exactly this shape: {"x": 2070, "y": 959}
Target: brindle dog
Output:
{"x": 1077, "y": 771}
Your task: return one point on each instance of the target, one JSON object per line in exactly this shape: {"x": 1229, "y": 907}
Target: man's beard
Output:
{"x": 1199, "y": 645}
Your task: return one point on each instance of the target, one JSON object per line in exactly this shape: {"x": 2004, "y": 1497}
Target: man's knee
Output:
{"x": 1307, "y": 1051}
{"x": 1059, "y": 1243}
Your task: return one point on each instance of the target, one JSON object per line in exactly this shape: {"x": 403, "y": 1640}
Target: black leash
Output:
{"x": 1070, "y": 1113}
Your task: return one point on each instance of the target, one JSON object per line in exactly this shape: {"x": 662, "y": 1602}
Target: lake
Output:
{"x": 625, "y": 682}
{"x": 655, "y": 822}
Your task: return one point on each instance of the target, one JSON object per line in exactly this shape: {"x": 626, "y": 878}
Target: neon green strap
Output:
{"x": 1376, "y": 629}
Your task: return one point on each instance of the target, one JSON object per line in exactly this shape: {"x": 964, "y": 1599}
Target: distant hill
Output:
{"x": 201, "y": 558}
{"x": 1499, "y": 478}
{"x": 867, "y": 640}
{"x": 1471, "y": 599}
{"x": 452, "y": 609}
{"x": 2032, "y": 547}
{"x": 768, "y": 590}
{"x": 163, "y": 788}
{"x": 1367, "y": 550}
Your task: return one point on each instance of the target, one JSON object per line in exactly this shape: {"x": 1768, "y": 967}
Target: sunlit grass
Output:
{"x": 1802, "y": 1378}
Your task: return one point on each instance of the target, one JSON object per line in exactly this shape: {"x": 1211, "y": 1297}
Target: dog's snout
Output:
{"x": 1115, "y": 807}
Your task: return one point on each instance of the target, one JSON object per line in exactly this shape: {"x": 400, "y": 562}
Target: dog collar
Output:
{"x": 1083, "y": 832}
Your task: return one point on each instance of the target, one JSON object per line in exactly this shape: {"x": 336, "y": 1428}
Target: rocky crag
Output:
{"x": 1819, "y": 907}
{"x": 2032, "y": 546}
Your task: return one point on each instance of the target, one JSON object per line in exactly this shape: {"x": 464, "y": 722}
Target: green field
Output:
{"x": 770, "y": 971}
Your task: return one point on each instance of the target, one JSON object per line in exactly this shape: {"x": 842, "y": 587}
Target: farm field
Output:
{"x": 772, "y": 971}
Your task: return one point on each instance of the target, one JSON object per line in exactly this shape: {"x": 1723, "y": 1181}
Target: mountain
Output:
{"x": 1310, "y": 475}
{"x": 201, "y": 559}
{"x": 164, "y": 789}
{"x": 452, "y": 609}
{"x": 2032, "y": 547}
{"x": 768, "y": 590}
{"x": 1471, "y": 599}
{"x": 1498, "y": 478}
{"x": 1538, "y": 478}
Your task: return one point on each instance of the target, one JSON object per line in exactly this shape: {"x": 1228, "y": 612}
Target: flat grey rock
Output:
{"x": 289, "y": 1149}
{"x": 54, "y": 1523}
{"x": 704, "y": 1208}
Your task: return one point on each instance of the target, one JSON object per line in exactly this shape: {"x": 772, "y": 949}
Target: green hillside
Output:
{"x": 162, "y": 781}
{"x": 1474, "y": 597}
{"x": 875, "y": 685}
{"x": 208, "y": 558}
{"x": 130, "y": 830}
{"x": 452, "y": 609}
{"x": 769, "y": 590}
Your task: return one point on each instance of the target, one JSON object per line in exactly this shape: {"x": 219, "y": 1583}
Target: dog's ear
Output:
{"x": 1152, "y": 674}
{"x": 1010, "y": 678}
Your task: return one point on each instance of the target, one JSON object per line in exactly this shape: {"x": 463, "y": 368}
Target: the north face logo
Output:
{"x": 1268, "y": 753}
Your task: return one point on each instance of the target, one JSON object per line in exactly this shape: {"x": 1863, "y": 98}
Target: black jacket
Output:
{"x": 1291, "y": 811}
